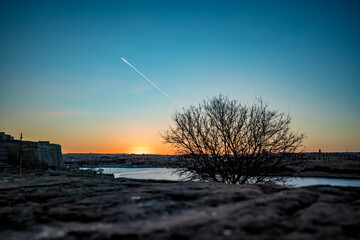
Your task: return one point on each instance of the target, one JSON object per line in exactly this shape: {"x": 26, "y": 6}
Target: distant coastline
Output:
{"x": 333, "y": 165}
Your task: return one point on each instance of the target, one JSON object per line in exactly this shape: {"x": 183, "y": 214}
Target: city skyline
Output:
{"x": 63, "y": 78}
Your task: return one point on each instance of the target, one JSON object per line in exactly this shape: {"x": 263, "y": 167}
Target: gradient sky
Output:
{"x": 62, "y": 78}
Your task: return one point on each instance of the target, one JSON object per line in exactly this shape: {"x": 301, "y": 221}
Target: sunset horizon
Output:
{"x": 143, "y": 148}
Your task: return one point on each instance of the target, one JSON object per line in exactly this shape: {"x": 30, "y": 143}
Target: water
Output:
{"x": 308, "y": 181}
{"x": 169, "y": 174}
{"x": 142, "y": 173}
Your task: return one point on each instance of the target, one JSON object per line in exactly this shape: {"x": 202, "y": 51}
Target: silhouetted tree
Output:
{"x": 229, "y": 142}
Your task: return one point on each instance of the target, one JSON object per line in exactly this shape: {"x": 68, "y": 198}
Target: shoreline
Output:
{"x": 298, "y": 174}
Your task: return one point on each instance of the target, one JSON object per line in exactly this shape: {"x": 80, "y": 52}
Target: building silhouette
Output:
{"x": 34, "y": 155}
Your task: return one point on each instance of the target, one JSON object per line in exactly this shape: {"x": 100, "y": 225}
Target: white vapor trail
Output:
{"x": 151, "y": 82}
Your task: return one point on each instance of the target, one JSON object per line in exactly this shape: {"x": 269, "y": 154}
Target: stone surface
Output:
{"x": 103, "y": 208}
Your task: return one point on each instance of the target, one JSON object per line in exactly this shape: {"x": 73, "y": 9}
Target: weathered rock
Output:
{"x": 104, "y": 208}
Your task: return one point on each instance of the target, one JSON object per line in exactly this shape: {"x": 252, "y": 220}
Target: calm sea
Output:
{"x": 169, "y": 174}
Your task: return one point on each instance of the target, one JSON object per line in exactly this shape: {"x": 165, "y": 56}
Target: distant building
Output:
{"x": 5, "y": 137}
{"x": 35, "y": 155}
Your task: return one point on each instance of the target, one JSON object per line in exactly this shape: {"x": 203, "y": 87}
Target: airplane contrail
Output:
{"x": 151, "y": 82}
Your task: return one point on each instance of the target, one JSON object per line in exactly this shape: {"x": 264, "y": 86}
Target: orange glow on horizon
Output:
{"x": 140, "y": 148}
{"x": 143, "y": 139}
{"x": 164, "y": 149}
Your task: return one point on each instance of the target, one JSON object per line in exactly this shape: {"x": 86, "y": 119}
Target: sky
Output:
{"x": 62, "y": 78}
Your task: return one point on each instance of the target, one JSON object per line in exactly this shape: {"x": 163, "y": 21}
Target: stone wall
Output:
{"x": 35, "y": 155}
{"x": 3, "y": 155}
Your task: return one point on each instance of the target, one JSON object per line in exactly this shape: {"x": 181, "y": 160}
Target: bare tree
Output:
{"x": 229, "y": 142}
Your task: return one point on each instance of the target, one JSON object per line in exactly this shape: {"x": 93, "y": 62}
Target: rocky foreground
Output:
{"x": 41, "y": 207}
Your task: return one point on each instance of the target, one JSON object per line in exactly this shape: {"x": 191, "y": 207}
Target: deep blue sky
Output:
{"x": 62, "y": 77}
